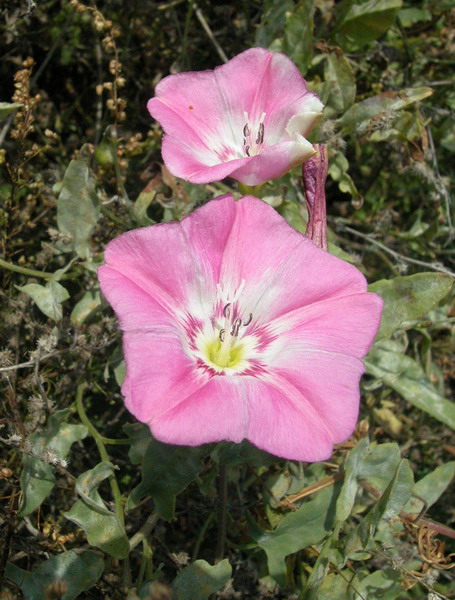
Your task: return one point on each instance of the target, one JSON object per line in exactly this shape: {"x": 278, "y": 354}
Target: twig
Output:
{"x": 314, "y": 487}
{"x": 99, "y": 102}
{"x": 222, "y": 514}
{"x": 439, "y": 185}
{"x": 209, "y": 32}
{"x": 29, "y": 363}
{"x": 25, "y": 270}
{"x": 434, "y": 267}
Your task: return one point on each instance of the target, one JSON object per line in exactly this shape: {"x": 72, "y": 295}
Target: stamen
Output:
{"x": 260, "y": 138}
{"x": 221, "y": 335}
{"x": 250, "y": 318}
{"x": 247, "y": 150}
{"x": 227, "y": 310}
{"x": 235, "y": 327}
{"x": 246, "y": 130}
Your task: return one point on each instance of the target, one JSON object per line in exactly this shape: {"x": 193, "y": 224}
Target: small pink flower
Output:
{"x": 236, "y": 326}
{"x": 246, "y": 119}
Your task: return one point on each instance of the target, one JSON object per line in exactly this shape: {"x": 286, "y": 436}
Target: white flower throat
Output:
{"x": 224, "y": 345}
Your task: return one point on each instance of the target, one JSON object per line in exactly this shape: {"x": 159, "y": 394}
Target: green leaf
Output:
{"x": 340, "y": 80}
{"x": 229, "y": 453}
{"x": 373, "y": 463}
{"x": 272, "y": 22}
{"x": 47, "y": 297}
{"x": 361, "y": 113}
{"x": 338, "y": 171}
{"x": 389, "y": 505}
{"x": 334, "y": 587}
{"x": 298, "y": 34}
{"x": 364, "y": 21}
{"x": 409, "y": 298}
{"x": 384, "y": 585}
{"x": 410, "y": 16}
{"x": 199, "y": 580}
{"x": 166, "y": 471}
{"x": 87, "y": 306}
{"x": 404, "y": 375}
{"x": 431, "y": 487}
{"x": 140, "y": 207}
{"x": 140, "y": 438}
{"x": 37, "y": 477}
{"x": 100, "y": 524}
{"x": 79, "y": 571}
{"x": 78, "y": 206}
{"x": 8, "y": 107}
{"x": 297, "y": 530}
{"x": 380, "y": 464}
{"x": 348, "y": 490}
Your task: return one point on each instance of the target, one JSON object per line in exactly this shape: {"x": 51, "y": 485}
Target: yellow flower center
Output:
{"x": 224, "y": 355}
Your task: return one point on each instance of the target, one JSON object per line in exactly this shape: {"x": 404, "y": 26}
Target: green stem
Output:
{"x": 112, "y": 216}
{"x": 102, "y": 450}
{"x": 201, "y": 535}
{"x": 112, "y": 442}
{"x": 144, "y": 531}
{"x": 222, "y": 513}
{"x": 251, "y": 190}
{"x": 24, "y": 270}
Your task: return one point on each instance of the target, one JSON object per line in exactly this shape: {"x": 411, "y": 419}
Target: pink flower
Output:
{"x": 236, "y": 326}
{"x": 246, "y": 119}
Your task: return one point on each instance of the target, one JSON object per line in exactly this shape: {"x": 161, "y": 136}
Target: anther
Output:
{"x": 221, "y": 335}
{"x": 226, "y": 310}
{"x": 250, "y": 318}
{"x": 246, "y": 130}
{"x": 260, "y": 137}
{"x": 235, "y": 327}
{"x": 247, "y": 150}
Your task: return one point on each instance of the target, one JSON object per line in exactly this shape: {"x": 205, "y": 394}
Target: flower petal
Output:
{"x": 136, "y": 309}
{"x": 159, "y": 375}
{"x": 282, "y": 269}
{"x": 273, "y": 161}
{"x": 216, "y": 412}
{"x": 345, "y": 324}
{"x": 159, "y": 372}
{"x": 284, "y": 423}
{"x": 159, "y": 260}
{"x": 318, "y": 349}
{"x": 330, "y": 384}
{"x": 182, "y": 161}
{"x": 279, "y": 421}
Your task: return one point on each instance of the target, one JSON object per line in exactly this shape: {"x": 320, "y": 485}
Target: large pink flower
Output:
{"x": 236, "y": 326}
{"x": 246, "y": 119}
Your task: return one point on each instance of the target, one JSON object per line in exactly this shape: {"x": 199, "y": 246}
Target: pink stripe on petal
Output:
{"x": 216, "y": 412}
{"x": 136, "y": 309}
{"x": 183, "y": 162}
{"x": 158, "y": 260}
{"x": 207, "y": 231}
{"x": 282, "y": 269}
{"x": 284, "y": 423}
{"x": 329, "y": 382}
{"x": 159, "y": 373}
{"x": 345, "y": 324}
